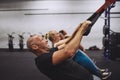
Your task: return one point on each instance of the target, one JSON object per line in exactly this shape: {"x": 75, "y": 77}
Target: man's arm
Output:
{"x": 72, "y": 44}
{"x": 61, "y": 43}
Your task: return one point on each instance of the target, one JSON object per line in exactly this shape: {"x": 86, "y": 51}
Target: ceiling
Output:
{"x": 39, "y": 0}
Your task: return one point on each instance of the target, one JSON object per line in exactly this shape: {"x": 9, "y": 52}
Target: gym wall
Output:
{"x": 41, "y": 16}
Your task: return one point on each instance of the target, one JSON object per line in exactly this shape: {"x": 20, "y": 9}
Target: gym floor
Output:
{"x": 19, "y": 65}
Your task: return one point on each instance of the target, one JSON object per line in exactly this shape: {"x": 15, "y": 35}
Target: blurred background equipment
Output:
{"x": 10, "y": 41}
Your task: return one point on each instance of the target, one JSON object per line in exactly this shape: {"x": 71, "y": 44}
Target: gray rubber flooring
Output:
{"x": 19, "y": 65}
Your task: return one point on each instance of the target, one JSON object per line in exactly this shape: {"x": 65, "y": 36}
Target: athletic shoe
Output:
{"x": 105, "y": 75}
{"x": 104, "y": 70}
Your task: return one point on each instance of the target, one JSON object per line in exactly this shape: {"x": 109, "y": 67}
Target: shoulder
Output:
{"x": 44, "y": 60}
{"x": 43, "y": 57}
{"x": 46, "y": 57}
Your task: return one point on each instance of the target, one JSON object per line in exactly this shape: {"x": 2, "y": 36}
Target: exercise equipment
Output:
{"x": 10, "y": 41}
{"x": 105, "y": 41}
{"x": 106, "y": 32}
{"x": 21, "y": 41}
{"x": 114, "y": 45}
{"x": 97, "y": 14}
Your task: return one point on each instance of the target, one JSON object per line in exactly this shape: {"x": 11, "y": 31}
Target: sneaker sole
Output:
{"x": 107, "y": 76}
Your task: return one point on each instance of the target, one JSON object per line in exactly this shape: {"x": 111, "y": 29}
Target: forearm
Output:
{"x": 71, "y": 37}
{"x": 61, "y": 42}
{"x": 74, "y": 43}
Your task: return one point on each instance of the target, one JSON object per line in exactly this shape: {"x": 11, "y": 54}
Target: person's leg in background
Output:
{"x": 84, "y": 60}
